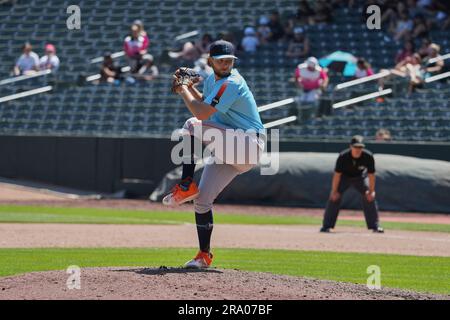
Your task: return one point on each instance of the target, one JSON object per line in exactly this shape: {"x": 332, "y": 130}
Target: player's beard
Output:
{"x": 221, "y": 74}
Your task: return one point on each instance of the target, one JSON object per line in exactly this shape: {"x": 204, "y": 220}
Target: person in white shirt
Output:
{"x": 50, "y": 61}
{"x": 311, "y": 79}
{"x": 250, "y": 41}
{"x": 203, "y": 69}
{"x": 263, "y": 30}
{"x": 28, "y": 62}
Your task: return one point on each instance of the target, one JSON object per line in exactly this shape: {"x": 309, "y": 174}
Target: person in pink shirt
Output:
{"x": 363, "y": 69}
{"x": 312, "y": 79}
{"x": 135, "y": 46}
{"x": 50, "y": 60}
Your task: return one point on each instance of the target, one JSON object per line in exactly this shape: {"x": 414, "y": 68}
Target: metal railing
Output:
{"x": 25, "y": 77}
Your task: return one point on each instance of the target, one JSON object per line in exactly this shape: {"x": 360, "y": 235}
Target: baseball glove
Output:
{"x": 184, "y": 76}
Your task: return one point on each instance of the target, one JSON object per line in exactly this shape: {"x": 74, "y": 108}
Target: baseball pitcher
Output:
{"x": 226, "y": 104}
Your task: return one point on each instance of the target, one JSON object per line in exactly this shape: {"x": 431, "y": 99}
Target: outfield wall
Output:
{"x": 303, "y": 179}
{"x": 137, "y": 165}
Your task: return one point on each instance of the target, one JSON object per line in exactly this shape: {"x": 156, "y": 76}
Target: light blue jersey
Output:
{"x": 235, "y": 104}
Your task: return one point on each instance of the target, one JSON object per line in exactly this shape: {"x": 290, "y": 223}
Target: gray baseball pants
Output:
{"x": 216, "y": 176}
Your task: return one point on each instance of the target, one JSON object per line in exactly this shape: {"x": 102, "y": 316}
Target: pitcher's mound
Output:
{"x": 177, "y": 283}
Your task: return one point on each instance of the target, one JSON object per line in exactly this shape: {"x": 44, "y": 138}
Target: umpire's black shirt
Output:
{"x": 351, "y": 167}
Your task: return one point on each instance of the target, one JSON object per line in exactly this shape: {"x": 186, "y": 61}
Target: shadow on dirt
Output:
{"x": 165, "y": 270}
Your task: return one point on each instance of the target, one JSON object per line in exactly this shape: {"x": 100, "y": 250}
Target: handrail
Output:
{"x": 25, "y": 77}
{"x": 25, "y": 94}
{"x": 436, "y": 59}
{"x": 276, "y": 104}
{"x": 98, "y": 76}
{"x": 362, "y": 98}
{"x": 438, "y": 77}
{"x": 113, "y": 56}
{"x": 355, "y": 82}
{"x": 187, "y": 35}
{"x": 279, "y": 122}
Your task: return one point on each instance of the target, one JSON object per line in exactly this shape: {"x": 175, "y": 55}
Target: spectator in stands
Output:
{"x": 263, "y": 30}
{"x": 148, "y": 71}
{"x": 403, "y": 27}
{"x": 250, "y": 40}
{"x": 438, "y": 14}
{"x": 311, "y": 79}
{"x": 304, "y": 12}
{"x": 192, "y": 51}
{"x": 390, "y": 11}
{"x": 363, "y": 69}
{"x": 420, "y": 28}
{"x": 423, "y": 50}
{"x": 135, "y": 47}
{"x": 407, "y": 51}
{"x": 203, "y": 44}
{"x": 436, "y": 67}
{"x": 276, "y": 28}
{"x": 412, "y": 8}
{"x": 202, "y": 68}
{"x": 322, "y": 13}
{"x": 289, "y": 27}
{"x": 445, "y": 24}
{"x": 188, "y": 54}
{"x": 28, "y": 62}
{"x": 109, "y": 71}
{"x": 383, "y": 135}
{"x": 50, "y": 60}
{"x": 142, "y": 31}
{"x": 413, "y": 70}
{"x": 299, "y": 45}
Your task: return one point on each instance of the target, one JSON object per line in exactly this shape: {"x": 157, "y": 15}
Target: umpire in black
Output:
{"x": 355, "y": 167}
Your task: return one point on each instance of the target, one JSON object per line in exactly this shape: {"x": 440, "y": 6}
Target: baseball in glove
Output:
{"x": 184, "y": 76}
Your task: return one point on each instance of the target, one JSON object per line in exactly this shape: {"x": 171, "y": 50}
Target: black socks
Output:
{"x": 204, "y": 229}
{"x": 189, "y": 167}
{"x": 204, "y": 221}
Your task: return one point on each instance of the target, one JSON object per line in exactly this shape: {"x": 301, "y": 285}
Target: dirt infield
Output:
{"x": 182, "y": 284}
{"x": 51, "y": 196}
{"x": 129, "y": 204}
{"x": 346, "y": 239}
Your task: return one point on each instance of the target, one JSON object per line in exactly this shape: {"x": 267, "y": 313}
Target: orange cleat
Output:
{"x": 181, "y": 194}
{"x": 202, "y": 260}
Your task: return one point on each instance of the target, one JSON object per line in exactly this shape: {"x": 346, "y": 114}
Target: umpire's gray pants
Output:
{"x": 216, "y": 176}
{"x": 370, "y": 208}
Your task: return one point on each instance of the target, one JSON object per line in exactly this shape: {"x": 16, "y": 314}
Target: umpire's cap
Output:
{"x": 221, "y": 49}
{"x": 357, "y": 141}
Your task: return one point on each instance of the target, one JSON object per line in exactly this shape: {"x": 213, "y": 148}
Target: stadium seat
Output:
{"x": 150, "y": 109}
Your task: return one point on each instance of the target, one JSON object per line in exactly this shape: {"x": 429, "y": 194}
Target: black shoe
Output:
{"x": 378, "y": 230}
{"x": 325, "y": 230}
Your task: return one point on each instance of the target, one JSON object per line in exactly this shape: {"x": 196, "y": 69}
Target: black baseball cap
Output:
{"x": 357, "y": 141}
{"x": 221, "y": 49}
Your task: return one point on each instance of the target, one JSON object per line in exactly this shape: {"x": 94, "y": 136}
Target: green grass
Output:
{"x": 29, "y": 214}
{"x": 421, "y": 274}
